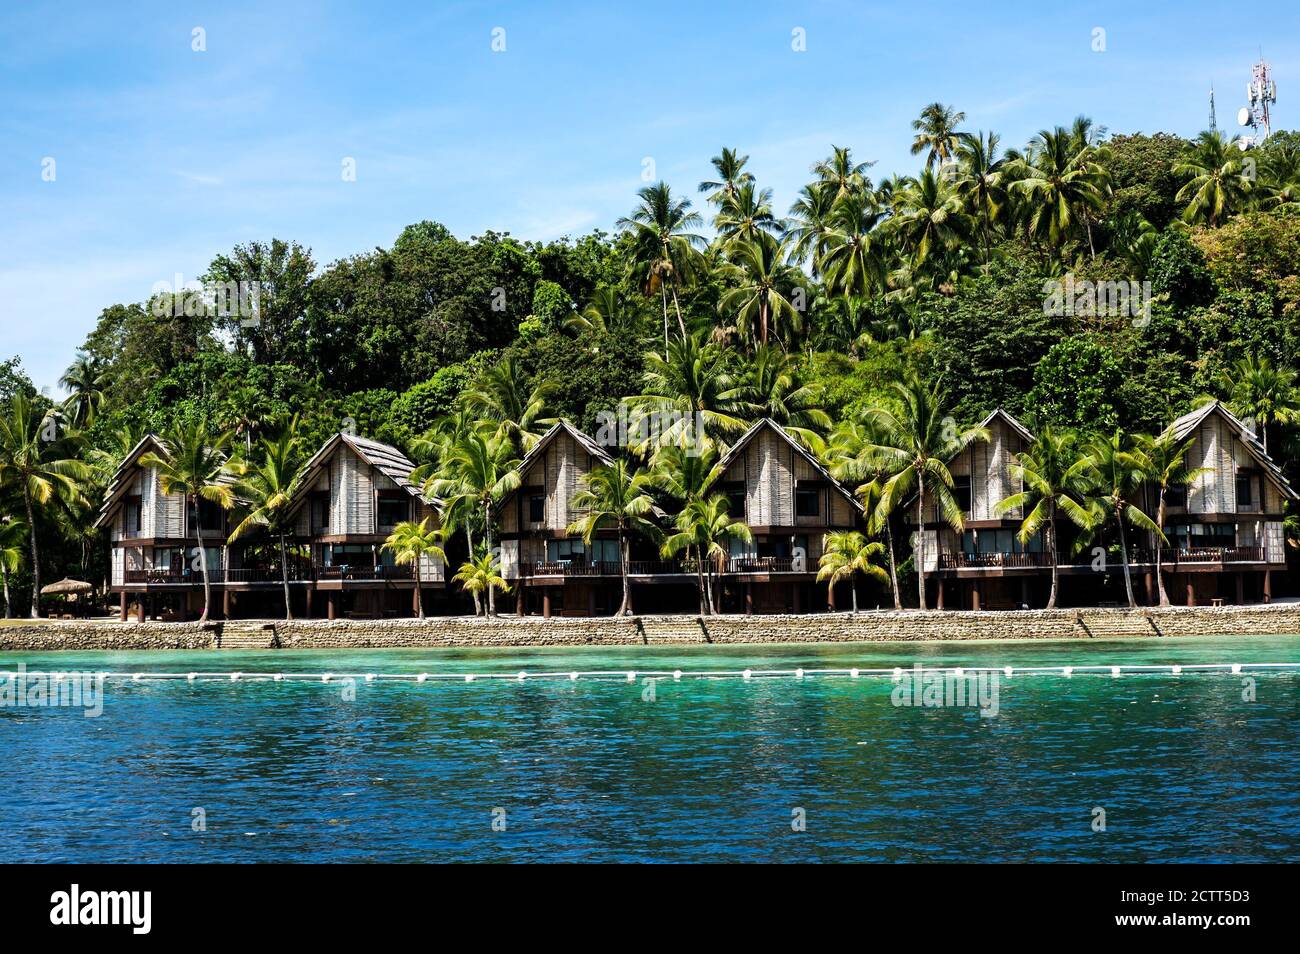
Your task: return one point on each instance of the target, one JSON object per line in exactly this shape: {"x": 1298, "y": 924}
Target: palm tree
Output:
{"x": 1063, "y": 186}
{"x": 1168, "y": 467}
{"x": 502, "y": 395}
{"x": 773, "y": 389}
{"x": 12, "y": 537}
{"x": 1117, "y": 468}
{"x": 409, "y": 543}
{"x": 929, "y": 218}
{"x": 194, "y": 467}
{"x": 1216, "y": 184}
{"x": 478, "y": 472}
{"x": 845, "y": 554}
{"x": 608, "y": 312}
{"x": 266, "y": 491}
{"x": 841, "y": 173}
{"x": 482, "y": 574}
{"x": 1054, "y": 477}
{"x": 811, "y": 222}
{"x": 979, "y": 182}
{"x": 852, "y": 261}
{"x": 936, "y": 133}
{"x": 1278, "y": 187}
{"x": 664, "y": 250}
{"x": 705, "y": 526}
{"x": 613, "y": 496}
{"x": 914, "y": 445}
{"x": 691, "y": 385}
{"x": 84, "y": 381}
{"x": 852, "y": 463}
{"x": 38, "y": 465}
{"x": 731, "y": 172}
{"x": 1261, "y": 392}
{"x": 761, "y": 297}
{"x": 747, "y": 216}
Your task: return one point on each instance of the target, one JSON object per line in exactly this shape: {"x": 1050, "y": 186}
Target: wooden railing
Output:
{"x": 1137, "y": 556}
{"x": 962, "y": 561}
{"x": 574, "y": 568}
{"x": 364, "y": 572}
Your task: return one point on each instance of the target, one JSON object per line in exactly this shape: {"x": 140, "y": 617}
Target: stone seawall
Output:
{"x": 104, "y": 635}
{"x": 661, "y": 630}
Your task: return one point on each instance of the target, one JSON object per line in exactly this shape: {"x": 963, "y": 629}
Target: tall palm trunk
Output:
{"x": 1052, "y": 555}
{"x": 762, "y": 319}
{"x": 1160, "y": 575}
{"x": 853, "y": 588}
{"x": 663, "y": 295}
{"x": 419, "y": 598}
{"x": 920, "y": 537}
{"x": 203, "y": 564}
{"x": 1123, "y": 548}
{"x": 284, "y": 578}
{"x": 36, "y": 561}
{"x": 487, "y": 535}
{"x": 699, "y": 576}
{"x": 469, "y": 539}
{"x": 9, "y": 606}
{"x": 681, "y": 324}
{"x": 626, "y": 607}
{"x": 893, "y": 566}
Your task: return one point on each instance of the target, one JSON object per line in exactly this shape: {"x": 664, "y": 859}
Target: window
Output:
{"x": 568, "y": 551}
{"x": 1176, "y": 495}
{"x": 211, "y": 516}
{"x": 536, "y": 508}
{"x": 320, "y": 512}
{"x": 131, "y": 514}
{"x": 961, "y": 491}
{"x": 1243, "y": 487}
{"x": 807, "y": 501}
{"x": 392, "y": 511}
{"x": 735, "y": 500}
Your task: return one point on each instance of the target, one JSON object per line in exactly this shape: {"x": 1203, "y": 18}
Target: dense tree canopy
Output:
{"x": 944, "y": 276}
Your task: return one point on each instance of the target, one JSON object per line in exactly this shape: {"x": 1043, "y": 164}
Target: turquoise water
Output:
{"x": 1184, "y": 767}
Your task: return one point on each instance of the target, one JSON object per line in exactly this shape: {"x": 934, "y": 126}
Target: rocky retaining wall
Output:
{"x": 663, "y": 630}
{"x": 104, "y": 635}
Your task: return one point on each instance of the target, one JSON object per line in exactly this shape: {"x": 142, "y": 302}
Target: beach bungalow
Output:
{"x": 154, "y": 554}
{"x": 1224, "y": 531}
{"x": 790, "y": 501}
{"x": 353, "y": 493}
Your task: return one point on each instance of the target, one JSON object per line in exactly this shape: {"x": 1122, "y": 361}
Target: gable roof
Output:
{"x": 736, "y": 449}
{"x": 999, "y": 414}
{"x": 385, "y": 458}
{"x": 1184, "y": 427}
{"x": 559, "y": 427}
{"x": 118, "y": 485}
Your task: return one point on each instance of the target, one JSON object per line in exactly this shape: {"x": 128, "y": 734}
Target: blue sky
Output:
{"x": 165, "y": 156}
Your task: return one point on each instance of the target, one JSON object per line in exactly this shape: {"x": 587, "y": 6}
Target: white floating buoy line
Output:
{"x": 895, "y": 673}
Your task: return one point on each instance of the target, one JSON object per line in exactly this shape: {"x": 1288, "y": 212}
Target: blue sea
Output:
{"x": 1196, "y": 767}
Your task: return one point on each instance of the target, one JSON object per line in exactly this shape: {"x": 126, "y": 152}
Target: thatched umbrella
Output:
{"x": 67, "y": 587}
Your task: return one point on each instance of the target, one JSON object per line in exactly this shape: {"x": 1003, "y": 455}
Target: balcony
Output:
{"x": 1169, "y": 558}
{"x": 166, "y": 576}
{"x": 984, "y": 561}
{"x": 737, "y": 565}
{"x": 367, "y": 572}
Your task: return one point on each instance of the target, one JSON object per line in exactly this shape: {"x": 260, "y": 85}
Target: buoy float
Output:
{"x": 853, "y": 674}
{"x": 677, "y": 674}
{"x": 370, "y": 677}
{"x": 234, "y": 677}
{"x": 1176, "y": 670}
{"x": 747, "y": 674}
{"x": 1114, "y": 671}
{"x": 422, "y": 677}
{"x": 1067, "y": 671}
